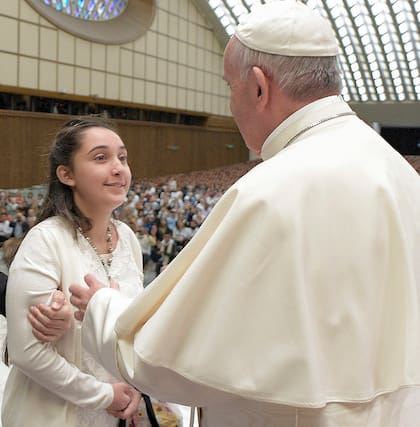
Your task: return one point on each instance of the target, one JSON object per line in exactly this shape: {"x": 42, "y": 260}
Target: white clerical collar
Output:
{"x": 304, "y": 119}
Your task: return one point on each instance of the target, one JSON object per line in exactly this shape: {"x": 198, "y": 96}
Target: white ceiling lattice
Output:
{"x": 379, "y": 43}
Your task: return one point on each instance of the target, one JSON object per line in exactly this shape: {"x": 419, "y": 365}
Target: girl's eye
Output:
{"x": 100, "y": 157}
{"x": 123, "y": 157}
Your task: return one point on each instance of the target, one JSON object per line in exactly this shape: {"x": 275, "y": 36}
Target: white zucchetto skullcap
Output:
{"x": 287, "y": 28}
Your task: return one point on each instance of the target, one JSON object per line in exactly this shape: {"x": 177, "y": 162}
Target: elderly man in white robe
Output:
{"x": 320, "y": 328}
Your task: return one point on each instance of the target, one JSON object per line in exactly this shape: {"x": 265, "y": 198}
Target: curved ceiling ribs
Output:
{"x": 379, "y": 43}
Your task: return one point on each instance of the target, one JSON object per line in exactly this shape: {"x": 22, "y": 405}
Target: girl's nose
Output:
{"x": 116, "y": 167}
{"x": 115, "y": 171}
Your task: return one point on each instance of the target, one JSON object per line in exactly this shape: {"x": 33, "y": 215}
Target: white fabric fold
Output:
{"x": 301, "y": 287}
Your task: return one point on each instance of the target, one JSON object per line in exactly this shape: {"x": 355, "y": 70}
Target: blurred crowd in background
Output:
{"x": 164, "y": 212}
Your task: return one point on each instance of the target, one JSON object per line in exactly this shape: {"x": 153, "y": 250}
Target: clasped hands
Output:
{"x": 125, "y": 403}
{"x": 51, "y": 321}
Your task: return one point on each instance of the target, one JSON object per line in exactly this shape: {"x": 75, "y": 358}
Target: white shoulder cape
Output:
{"x": 301, "y": 287}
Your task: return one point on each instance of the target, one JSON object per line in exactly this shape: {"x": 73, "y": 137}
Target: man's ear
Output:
{"x": 65, "y": 175}
{"x": 263, "y": 87}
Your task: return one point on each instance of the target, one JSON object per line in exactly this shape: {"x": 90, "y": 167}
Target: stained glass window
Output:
{"x": 101, "y": 21}
{"x": 89, "y": 10}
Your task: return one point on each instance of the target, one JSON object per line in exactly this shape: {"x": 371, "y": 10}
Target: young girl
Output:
{"x": 60, "y": 384}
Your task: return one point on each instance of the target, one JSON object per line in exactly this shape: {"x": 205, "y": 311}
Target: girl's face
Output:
{"x": 99, "y": 176}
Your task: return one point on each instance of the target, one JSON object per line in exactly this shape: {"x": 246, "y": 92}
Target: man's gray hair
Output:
{"x": 302, "y": 78}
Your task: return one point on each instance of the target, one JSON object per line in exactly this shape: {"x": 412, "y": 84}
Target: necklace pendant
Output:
{"x": 106, "y": 264}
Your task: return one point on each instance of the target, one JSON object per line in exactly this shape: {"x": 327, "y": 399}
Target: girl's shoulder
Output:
{"x": 122, "y": 227}
{"x": 126, "y": 234}
{"x": 54, "y": 226}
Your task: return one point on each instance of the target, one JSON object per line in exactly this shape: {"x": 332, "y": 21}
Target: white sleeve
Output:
{"x": 34, "y": 275}
{"x": 119, "y": 356}
{"x": 98, "y": 328}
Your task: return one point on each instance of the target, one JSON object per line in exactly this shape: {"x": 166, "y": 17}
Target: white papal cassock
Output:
{"x": 297, "y": 302}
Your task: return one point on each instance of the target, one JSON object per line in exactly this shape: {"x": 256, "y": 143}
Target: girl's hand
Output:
{"x": 126, "y": 401}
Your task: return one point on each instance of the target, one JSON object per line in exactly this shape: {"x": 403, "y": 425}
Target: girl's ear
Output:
{"x": 65, "y": 175}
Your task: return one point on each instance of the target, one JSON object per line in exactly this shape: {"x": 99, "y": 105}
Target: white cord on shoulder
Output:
{"x": 192, "y": 415}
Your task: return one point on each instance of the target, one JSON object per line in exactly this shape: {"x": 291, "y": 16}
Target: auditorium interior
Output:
{"x": 154, "y": 68}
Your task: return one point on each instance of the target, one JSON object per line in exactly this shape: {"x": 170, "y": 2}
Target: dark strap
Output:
{"x": 150, "y": 412}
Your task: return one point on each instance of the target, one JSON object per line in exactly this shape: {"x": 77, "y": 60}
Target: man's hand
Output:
{"x": 126, "y": 401}
{"x": 81, "y": 295}
{"x": 51, "y": 321}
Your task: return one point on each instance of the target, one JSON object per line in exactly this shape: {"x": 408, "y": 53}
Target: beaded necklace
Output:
{"x": 106, "y": 265}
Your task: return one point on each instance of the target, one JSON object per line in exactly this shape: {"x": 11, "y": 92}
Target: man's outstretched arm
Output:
{"x": 81, "y": 295}
{"x": 98, "y": 329}
{"x": 51, "y": 321}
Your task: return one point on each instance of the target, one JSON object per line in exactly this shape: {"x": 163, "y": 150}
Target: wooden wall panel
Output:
{"x": 24, "y": 144}
{"x": 154, "y": 149}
